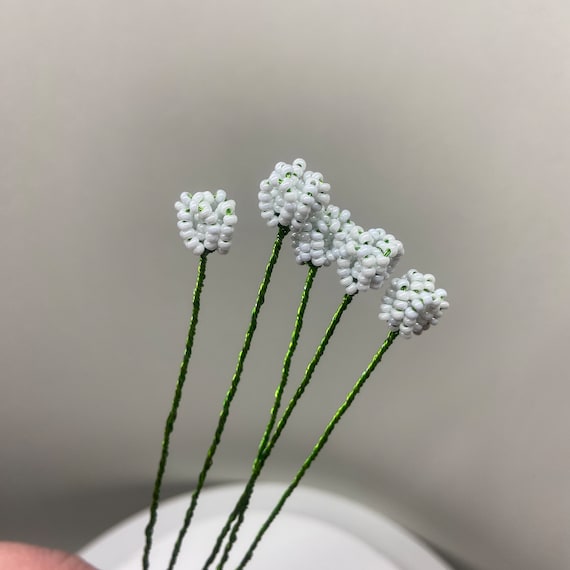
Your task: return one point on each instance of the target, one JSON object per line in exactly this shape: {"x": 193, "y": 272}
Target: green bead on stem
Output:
{"x": 295, "y": 334}
{"x": 320, "y": 444}
{"x": 208, "y": 462}
{"x": 169, "y": 427}
{"x": 262, "y": 455}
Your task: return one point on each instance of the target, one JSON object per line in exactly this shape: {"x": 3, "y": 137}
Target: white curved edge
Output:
{"x": 372, "y": 527}
{"x": 111, "y": 548}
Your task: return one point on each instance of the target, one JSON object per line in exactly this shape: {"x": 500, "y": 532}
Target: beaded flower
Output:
{"x": 317, "y": 241}
{"x": 206, "y": 221}
{"x": 366, "y": 258}
{"x": 412, "y": 304}
{"x": 292, "y": 194}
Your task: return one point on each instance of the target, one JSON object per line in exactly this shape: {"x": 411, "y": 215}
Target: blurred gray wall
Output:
{"x": 445, "y": 122}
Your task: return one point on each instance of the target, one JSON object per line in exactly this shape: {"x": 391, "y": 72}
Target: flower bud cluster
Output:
{"x": 366, "y": 258}
{"x": 317, "y": 241}
{"x": 206, "y": 221}
{"x": 413, "y": 304}
{"x": 292, "y": 194}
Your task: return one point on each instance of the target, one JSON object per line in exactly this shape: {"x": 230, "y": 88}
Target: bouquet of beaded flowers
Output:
{"x": 294, "y": 201}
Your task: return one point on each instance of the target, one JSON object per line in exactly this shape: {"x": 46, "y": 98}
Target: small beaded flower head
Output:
{"x": 291, "y": 194}
{"x": 366, "y": 258}
{"x": 317, "y": 240}
{"x": 206, "y": 221}
{"x": 413, "y": 304}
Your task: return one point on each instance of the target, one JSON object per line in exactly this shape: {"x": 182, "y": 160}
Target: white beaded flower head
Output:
{"x": 413, "y": 304}
{"x": 206, "y": 221}
{"x": 366, "y": 258}
{"x": 317, "y": 240}
{"x": 292, "y": 194}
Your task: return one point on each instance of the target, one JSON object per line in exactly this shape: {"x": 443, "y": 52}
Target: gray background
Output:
{"x": 445, "y": 122}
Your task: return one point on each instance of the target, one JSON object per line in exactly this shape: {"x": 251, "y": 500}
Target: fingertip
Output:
{"x": 20, "y": 556}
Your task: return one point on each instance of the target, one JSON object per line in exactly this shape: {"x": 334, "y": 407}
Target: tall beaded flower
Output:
{"x": 206, "y": 221}
{"x": 291, "y": 194}
{"x": 317, "y": 240}
{"x": 366, "y": 258}
{"x": 412, "y": 303}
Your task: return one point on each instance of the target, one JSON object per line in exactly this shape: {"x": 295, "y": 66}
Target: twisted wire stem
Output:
{"x": 320, "y": 444}
{"x": 311, "y": 273}
{"x": 346, "y": 300}
{"x": 208, "y": 462}
{"x": 243, "y": 502}
{"x": 171, "y": 419}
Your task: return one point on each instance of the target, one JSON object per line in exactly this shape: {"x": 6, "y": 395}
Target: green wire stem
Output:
{"x": 281, "y": 233}
{"x": 346, "y": 300}
{"x": 295, "y": 334}
{"x": 311, "y": 273}
{"x": 262, "y": 455}
{"x": 320, "y": 444}
{"x": 169, "y": 427}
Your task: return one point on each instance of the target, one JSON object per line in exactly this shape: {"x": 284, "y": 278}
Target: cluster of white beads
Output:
{"x": 390, "y": 247}
{"x": 317, "y": 241}
{"x": 206, "y": 221}
{"x": 292, "y": 194}
{"x": 366, "y": 258}
{"x": 413, "y": 304}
